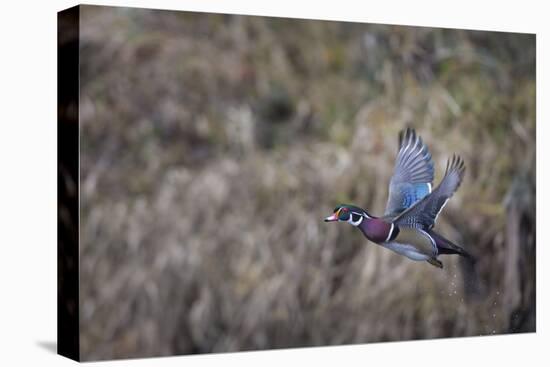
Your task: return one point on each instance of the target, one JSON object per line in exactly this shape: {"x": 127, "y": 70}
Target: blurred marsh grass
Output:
{"x": 213, "y": 145}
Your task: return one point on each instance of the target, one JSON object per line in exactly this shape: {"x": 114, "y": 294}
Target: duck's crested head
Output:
{"x": 348, "y": 213}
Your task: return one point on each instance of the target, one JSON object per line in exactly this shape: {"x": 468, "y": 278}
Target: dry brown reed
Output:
{"x": 212, "y": 146}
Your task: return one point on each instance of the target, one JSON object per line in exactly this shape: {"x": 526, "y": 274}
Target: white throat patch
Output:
{"x": 358, "y": 222}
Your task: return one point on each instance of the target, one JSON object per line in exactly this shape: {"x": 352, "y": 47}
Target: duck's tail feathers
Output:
{"x": 446, "y": 247}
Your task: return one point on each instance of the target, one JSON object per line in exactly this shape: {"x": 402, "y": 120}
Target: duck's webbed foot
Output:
{"x": 435, "y": 262}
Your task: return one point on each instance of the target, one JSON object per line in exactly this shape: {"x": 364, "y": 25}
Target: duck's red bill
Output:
{"x": 331, "y": 218}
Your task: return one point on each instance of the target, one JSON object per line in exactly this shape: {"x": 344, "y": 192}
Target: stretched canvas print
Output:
{"x": 231, "y": 183}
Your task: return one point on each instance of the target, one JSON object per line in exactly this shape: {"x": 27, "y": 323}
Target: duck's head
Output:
{"x": 348, "y": 213}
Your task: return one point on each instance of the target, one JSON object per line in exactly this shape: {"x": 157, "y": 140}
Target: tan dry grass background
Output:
{"x": 212, "y": 147}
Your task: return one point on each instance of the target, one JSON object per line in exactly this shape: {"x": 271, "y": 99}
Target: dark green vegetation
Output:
{"x": 213, "y": 147}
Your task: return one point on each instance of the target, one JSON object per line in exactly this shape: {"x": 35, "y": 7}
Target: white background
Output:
{"x": 28, "y": 197}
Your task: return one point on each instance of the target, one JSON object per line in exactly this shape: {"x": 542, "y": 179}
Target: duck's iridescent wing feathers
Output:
{"x": 424, "y": 213}
{"x": 413, "y": 173}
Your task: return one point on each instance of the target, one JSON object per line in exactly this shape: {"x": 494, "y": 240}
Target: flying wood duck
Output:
{"x": 413, "y": 207}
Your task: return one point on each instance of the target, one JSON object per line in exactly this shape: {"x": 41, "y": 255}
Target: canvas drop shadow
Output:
{"x": 48, "y": 345}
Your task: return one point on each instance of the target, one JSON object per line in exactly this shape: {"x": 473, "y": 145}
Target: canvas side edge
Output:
{"x": 68, "y": 263}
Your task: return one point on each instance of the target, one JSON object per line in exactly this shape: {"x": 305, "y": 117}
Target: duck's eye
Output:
{"x": 355, "y": 217}
{"x": 344, "y": 215}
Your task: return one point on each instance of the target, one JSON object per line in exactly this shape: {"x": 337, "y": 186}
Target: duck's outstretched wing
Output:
{"x": 413, "y": 173}
{"x": 424, "y": 213}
